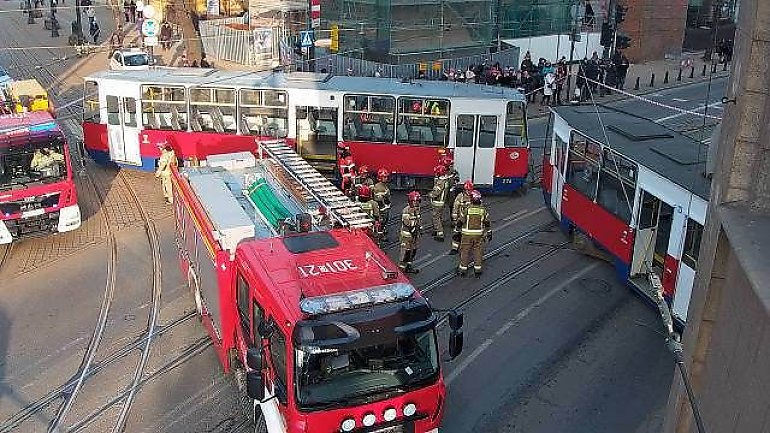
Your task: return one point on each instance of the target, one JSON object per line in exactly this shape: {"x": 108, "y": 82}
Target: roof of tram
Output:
{"x": 308, "y": 80}
{"x": 670, "y": 154}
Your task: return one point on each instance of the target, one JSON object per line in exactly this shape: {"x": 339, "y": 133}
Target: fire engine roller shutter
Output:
{"x": 263, "y": 198}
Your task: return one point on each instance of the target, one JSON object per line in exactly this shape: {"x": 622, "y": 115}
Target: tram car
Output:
{"x": 637, "y": 189}
{"x": 403, "y": 126}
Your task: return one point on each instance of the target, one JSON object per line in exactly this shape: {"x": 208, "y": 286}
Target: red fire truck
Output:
{"x": 37, "y": 192}
{"x": 323, "y": 331}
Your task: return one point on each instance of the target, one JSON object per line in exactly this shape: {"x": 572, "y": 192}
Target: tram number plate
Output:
{"x": 32, "y": 213}
{"x": 333, "y": 267}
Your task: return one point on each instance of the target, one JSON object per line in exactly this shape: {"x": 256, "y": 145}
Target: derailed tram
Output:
{"x": 637, "y": 189}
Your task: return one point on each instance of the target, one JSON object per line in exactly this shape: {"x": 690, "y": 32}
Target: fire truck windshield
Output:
{"x": 26, "y": 163}
{"x": 365, "y": 354}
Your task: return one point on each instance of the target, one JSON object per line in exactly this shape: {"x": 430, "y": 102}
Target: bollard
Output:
{"x": 679, "y": 76}
{"x": 652, "y": 80}
{"x": 703, "y": 73}
{"x": 636, "y": 86}
{"x": 665, "y": 78}
{"x": 692, "y": 72}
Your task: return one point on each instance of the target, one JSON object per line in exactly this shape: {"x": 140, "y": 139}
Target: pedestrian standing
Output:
{"x": 90, "y": 14}
{"x": 54, "y": 25}
{"x": 166, "y": 161}
{"x": 548, "y": 87}
{"x": 127, "y": 11}
{"x": 623, "y": 65}
{"x": 411, "y": 225}
{"x": 132, "y": 10}
{"x": 438, "y": 197}
{"x": 94, "y": 31}
{"x": 475, "y": 230}
{"x": 461, "y": 203}
{"x": 165, "y": 36}
{"x": 205, "y": 63}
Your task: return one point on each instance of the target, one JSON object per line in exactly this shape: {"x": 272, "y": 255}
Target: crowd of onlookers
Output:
{"x": 547, "y": 80}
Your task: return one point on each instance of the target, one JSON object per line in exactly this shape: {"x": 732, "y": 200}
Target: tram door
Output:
{"x": 122, "y": 130}
{"x": 653, "y": 234}
{"x": 317, "y": 135}
{"x": 475, "y": 139}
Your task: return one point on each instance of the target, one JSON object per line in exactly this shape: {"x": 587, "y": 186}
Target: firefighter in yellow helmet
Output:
{"x": 475, "y": 231}
{"x": 461, "y": 203}
{"x": 411, "y": 225}
{"x": 438, "y": 196}
{"x": 166, "y": 161}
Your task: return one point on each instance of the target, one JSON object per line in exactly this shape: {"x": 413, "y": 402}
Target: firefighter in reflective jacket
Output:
{"x": 362, "y": 177}
{"x": 347, "y": 168}
{"x": 475, "y": 231}
{"x": 438, "y": 200}
{"x": 453, "y": 179}
{"x": 166, "y": 161}
{"x": 461, "y": 203}
{"x": 381, "y": 193}
{"x": 410, "y": 232}
{"x": 371, "y": 208}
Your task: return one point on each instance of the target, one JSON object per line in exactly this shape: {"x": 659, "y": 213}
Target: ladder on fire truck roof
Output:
{"x": 339, "y": 206}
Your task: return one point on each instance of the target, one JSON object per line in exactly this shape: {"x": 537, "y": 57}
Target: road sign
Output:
{"x": 150, "y": 27}
{"x": 151, "y": 41}
{"x": 334, "y": 45}
{"x": 306, "y": 38}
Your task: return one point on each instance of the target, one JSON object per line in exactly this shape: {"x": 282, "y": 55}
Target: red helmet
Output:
{"x": 439, "y": 170}
{"x": 414, "y": 197}
{"x": 343, "y": 150}
{"x": 364, "y": 191}
{"x": 468, "y": 186}
{"x": 363, "y": 170}
{"x": 383, "y": 175}
{"x": 475, "y": 197}
{"x": 447, "y": 160}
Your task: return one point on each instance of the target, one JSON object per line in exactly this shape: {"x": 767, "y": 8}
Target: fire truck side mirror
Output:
{"x": 254, "y": 358}
{"x": 455, "y": 344}
{"x": 255, "y": 387}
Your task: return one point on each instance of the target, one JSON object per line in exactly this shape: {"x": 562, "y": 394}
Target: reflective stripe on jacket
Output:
{"x": 475, "y": 221}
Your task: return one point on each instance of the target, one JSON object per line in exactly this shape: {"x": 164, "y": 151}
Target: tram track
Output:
{"x": 6, "y": 254}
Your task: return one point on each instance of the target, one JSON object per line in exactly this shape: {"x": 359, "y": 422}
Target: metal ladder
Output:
{"x": 340, "y": 207}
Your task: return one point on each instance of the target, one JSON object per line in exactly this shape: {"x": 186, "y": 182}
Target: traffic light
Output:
{"x": 335, "y": 38}
{"x": 622, "y": 41}
{"x": 606, "y": 37}
{"x": 620, "y": 14}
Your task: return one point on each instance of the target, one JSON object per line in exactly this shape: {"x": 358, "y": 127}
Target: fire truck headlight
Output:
{"x": 389, "y": 414}
{"x": 369, "y": 419}
{"x": 349, "y": 424}
{"x": 410, "y": 409}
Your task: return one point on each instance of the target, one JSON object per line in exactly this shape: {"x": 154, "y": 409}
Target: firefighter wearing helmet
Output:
{"x": 163, "y": 172}
{"x": 475, "y": 231}
{"x": 461, "y": 204}
{"x": 451, "y": 172}
{"x": 381, "y": 193}
{"x": 362, "y": 177}
{"x": 347, "y": 169}
{"x": 410, "y": 232}
{"x": 438, "y": 196}
{"x": 371, "y": 208}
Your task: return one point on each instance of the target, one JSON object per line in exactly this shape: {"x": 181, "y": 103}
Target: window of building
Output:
{"x": 617, "y": 185}
{"x": 692, "y": 243}
{"x": 213, "y": 110}
{"x": 264, "y": 113}
{"x": 164, "y": 107}
{"x": 583, "y": 164}
{"x": 423, "y": 121}
{"x": 369, "y": 118}
{"x": 515, "y": 125}
{"x": 91, "y": 102}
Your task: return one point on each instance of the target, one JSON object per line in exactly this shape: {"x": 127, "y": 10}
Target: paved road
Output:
{"x": 553, "y": 341}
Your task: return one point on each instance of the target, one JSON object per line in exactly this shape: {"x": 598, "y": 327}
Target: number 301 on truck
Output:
{"x": 322, "y": 331}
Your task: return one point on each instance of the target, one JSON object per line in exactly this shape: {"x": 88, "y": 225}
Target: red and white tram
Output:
{"x": 401, "y": 126}
{"x": 634, "y": 187}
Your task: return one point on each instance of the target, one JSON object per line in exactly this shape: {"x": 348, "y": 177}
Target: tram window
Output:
{"x": 464, "y": 134}
{"x": 264, "y": 112}
{"x": 164, "y": 108}
{"x": 515, "y": 125}
{"x": 213, "y": 109}
{"x": 91, "y": 102}
{"x": 369, "y": 118}
{"x": 113, "y": 110}
{"x": 617, "y": 185}
{"x": 692, "y": 243}
{"x": 423, "y": 121}
{"x": 487, "y": 131}
{"x": 129, "y": 113}
{"x": 583, "y": 165}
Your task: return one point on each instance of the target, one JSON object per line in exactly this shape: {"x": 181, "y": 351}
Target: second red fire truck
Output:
{"x": 324, "y": 332}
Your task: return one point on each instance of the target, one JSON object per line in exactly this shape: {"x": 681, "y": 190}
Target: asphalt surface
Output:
{"x": 554, "y": 342}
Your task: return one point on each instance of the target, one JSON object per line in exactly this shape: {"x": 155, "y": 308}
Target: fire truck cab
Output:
{"x": 320, "y": 328}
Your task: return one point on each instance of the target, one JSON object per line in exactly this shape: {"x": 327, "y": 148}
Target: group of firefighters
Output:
{"x": 469, "y": 217}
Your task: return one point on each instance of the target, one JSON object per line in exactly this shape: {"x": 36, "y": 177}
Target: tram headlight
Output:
{"x": 410, "y": 409}
{"x": 389, "y": 414}
{"x": 348, "y": 424}
{"x": 369, "y": 420}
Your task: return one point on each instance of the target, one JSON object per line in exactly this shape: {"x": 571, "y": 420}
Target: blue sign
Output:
{"x": 306, "y": 38}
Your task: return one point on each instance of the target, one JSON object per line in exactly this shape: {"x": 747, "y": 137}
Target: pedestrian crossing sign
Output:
{"x": 306, "y": 38}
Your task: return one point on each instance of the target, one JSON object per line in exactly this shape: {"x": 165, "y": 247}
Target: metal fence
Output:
{"x": 344, "y": 65}
{"x": 226, "y": 43}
